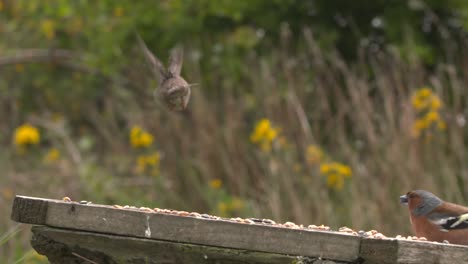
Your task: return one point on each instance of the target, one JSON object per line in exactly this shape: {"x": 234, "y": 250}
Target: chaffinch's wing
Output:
{"x": 456, "y": 222}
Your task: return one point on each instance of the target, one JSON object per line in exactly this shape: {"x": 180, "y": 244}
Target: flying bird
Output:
{"x": 173, "y": 89}
{"x": 435, "y": 219}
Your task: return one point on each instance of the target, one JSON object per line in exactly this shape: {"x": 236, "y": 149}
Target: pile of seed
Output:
{"x": 345, "y": 230}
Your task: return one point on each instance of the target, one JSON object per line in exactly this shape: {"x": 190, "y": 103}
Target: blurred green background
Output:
{"x": 311, "y": 111}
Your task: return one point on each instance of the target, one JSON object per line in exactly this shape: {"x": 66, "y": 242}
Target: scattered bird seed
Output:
{"x": 373, "y": 234}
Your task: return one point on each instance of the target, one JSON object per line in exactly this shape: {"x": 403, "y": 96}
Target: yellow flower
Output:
{"x": 424, "y": 98}
{"x": 135, "y": 131}
{"x": 52, "y": 155}
{"x": 271, "y": 134}
{"x": 428, "y": 105}
{"x": 432, "y": 116}
{"x": 264, "y": 134}
{"x": 436, "y": 104}
{"x": 134, "y": 135}
{"x": 313, "y": 154}
{"x": 141, "y": 164}
{"x": 418, "y": 126}
{"x": 335, "y": 181}
{"x": 216, "y": 183}
{"x": 344, "y": 170}
{"x": 144, "y": 162}
{"x": 153, "y": 159}
{"x": 424, "y": 92}
{"x": 263, "y": 126}
{"x": 418, "y": 103}
{"x": 140, "y": 138}
{"x": 118, "y": 11}
{"x": 325, "y": 168}
{"x": 26, "y": 135}
{"x": 335, "y": 173}
{"x": 48, "y": 28}
{"x": 420, "y": 98}
{"x": 421, "y": 124}
{"x": 146, "y": 139}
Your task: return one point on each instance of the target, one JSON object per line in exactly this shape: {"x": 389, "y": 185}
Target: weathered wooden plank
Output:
{"x": 378, "y": 251}
{"x": 67, "y": 246}
{"x": 29, "y": 210}
{"x": 218, "y": 233}
{"x": 414, "y": 252}
{"x": 106, "y": 223}
{"x": 411, "y": 252}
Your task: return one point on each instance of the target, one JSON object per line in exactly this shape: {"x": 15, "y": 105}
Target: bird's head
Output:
{"x": 420, "y": 202}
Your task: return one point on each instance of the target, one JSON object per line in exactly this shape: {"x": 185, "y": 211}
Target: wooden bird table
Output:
{"x": 74, "y": 232}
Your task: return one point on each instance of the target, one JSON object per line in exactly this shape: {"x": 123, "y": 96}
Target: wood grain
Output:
{"x": 220, "y": 233}
{"x": 411, "y": 252}
{"x": 61, "y": 244}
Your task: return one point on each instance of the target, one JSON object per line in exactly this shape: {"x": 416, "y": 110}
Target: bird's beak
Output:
{"x": 404, "y": 199}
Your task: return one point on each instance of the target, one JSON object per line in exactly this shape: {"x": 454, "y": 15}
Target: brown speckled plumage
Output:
{"x": 173, "y": 90}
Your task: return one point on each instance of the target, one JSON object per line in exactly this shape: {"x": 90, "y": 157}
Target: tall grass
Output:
{"x": 358, "y": 114}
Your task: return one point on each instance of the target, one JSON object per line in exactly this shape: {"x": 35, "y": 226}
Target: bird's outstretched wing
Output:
{"x": 156, "y": 65}
{"x": 176, "y": 58}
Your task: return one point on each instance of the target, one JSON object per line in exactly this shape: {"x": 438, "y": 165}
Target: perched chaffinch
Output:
{"x": 435, "y": 219}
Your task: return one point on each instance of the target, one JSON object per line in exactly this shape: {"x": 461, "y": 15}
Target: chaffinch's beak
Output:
{"x": 404, "y": 199}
